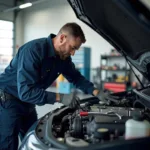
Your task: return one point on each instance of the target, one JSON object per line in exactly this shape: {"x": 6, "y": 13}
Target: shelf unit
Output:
{"x": 109, "y": 72}
{"x": 116, "y": 70}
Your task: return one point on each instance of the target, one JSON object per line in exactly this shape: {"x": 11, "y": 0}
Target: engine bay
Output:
{"x": 93, "y": 121}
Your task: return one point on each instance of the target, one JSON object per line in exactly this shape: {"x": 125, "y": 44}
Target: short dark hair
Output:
{"x": 74, "y": 29}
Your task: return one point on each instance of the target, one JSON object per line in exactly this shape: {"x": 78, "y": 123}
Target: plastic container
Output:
{"x": 137, "y": 128}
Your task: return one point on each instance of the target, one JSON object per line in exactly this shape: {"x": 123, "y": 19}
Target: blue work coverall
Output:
{"x": 31, "y": 71}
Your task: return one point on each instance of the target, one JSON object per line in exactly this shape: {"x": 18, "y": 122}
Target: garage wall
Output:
{"x": 42, "y": 19}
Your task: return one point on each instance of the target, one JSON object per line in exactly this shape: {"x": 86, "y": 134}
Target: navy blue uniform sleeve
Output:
{"x": 75, "y": 77}
{"x": 28, "y": 76}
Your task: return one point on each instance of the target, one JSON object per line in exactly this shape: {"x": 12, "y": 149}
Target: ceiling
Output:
{"x": 5, "y": 4}
{"x": 9, "y": 4}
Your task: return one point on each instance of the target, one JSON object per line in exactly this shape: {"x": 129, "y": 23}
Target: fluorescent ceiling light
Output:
{"x": 25, "y": 5}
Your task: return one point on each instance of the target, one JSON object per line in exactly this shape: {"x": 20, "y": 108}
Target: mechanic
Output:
{"x": 34, "y": 68}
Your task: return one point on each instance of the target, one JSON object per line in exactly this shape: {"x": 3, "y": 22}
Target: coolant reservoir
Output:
{"x": 76, "y": 142}
{"x": 137, "y": 128}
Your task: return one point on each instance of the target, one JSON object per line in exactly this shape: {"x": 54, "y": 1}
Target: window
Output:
{"x": 6, "y": 43}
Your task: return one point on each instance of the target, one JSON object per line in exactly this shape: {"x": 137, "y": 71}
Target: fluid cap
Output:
{"x": 102, "y": 133}
{"x": 138, "y": 117}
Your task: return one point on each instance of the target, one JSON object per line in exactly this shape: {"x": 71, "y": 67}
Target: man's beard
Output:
{"x": 63, "y": 57}
{"x": 61, "y": 54}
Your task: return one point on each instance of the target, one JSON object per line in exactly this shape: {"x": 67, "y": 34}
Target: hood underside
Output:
{"x": 125, "y": 24}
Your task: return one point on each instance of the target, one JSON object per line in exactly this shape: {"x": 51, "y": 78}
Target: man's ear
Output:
{"x": 62, "y": 38}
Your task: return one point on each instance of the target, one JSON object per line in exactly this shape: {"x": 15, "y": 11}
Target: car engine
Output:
{"x": 94, "y": 121}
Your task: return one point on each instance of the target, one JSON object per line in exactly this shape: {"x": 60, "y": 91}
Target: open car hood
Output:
{"x": 125, "y": 24}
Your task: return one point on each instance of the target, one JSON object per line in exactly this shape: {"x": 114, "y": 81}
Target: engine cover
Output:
{"x": 122, "y": 111}
{"x": 114, "y": 124}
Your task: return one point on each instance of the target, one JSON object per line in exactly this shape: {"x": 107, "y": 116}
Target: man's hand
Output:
{"x": 102, "y": 96}
{"x": 105, "y": 96}
{"x": 69, "y": 100}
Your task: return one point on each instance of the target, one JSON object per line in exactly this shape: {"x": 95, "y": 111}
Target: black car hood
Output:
{"x": 123, "y": 23}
